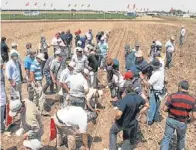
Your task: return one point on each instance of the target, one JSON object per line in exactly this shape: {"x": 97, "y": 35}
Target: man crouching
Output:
{"x": 71, "y": 121}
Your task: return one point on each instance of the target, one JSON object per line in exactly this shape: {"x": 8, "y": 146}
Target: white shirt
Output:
{"x": 57, "y": 42}
{"x": 183, "y": 31}
{"x": 118, "y": 79}
{"x": 81, "y": 62}
{"x": 78, "y": 85}
{"x": 65, "y": 74}
{"x": 157, "y": 80}
{"x": 74, "y": 116}
{"x": 170, "y": 47}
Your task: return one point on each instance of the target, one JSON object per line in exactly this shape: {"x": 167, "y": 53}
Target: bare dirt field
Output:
{"x": 145, "y": 32}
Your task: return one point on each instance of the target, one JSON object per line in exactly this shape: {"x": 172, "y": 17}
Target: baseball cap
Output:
{"x": 14, "y": 54}
{"x": 86, "y": 71}
{"x": 128, "y": 75}
{"x": 139, "y": 54}
{"x": 79, "y": 49}
{"x": 102, "y": 38}
{"x": 79, "y": 42}
{"x": 137, "y": 44}
{"x": 72, "y": 64}
{"x": 58, "y": 51}
{"x": 14, "y": 44}
{"x": 127, "y": 47}
{"x": 41, "y": 56}
{"x": 15, "y": 106}
{"x": 184, "y": 84}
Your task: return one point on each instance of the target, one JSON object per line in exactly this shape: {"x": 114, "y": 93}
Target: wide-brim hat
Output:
{"x": 41, "y": 56}
{"x": 15, "y": 106}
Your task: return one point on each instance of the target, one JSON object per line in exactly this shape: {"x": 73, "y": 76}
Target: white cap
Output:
{"x": 72, "y": 64}
{"x": 182, "y": 26}
{"x": 41, "y": 56}
{"x": 15, "y": 106}
{"x": 14, "y": 44}
{"x": 102, "y": 38}
{"x": 58, "y": 51}
{"x": 79, "y": 49}
{"x": 86, "y": 71}
{"x": 79, "y": 42}
{"x": 33, "y": 144}
{"x": 139, "y": 54}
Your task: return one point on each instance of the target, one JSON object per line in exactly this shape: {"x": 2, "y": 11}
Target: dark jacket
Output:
{"x": 93, "y": 63}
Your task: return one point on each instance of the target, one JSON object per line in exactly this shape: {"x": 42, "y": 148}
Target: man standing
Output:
{"x": 137, "y": 47}
{"x": 15, "y": 50}
{"x": 46, "y": 72}
{"x": 27, "y": 65}
{"x": 103, "y": 50}
{"x": 125, "y": 119}
{"x": 3, "y": 97}
{"x": 78, "y": 88}
{"x": 65, "y": 74}
{"x": 140, "y": 63}
{"x": 93, "y": 67}
{"x": 28, "y": 48}
{"x": 77, "y": 38}
{"x": 129, "y": 57}
{"x": 57, "y": 66}
{"x": 43, "y": 47}
{"x": 31, "y": 124}
{"x": 181, "y": 107}
{"x": 182, "y": 35}
{"x": 4, "y": 50}
{"x": 57, "y": 42}
{"x": 89, "y": 36}
{"x": 170, "y": 49}
{"x": 68, "y": 39}
{"x": 66, "y": 121}
{"x": 156, "y": 85}
{"x": 80, "y": 60}
{"x": 36, "y": 83}
{"x": 13, "y": 75}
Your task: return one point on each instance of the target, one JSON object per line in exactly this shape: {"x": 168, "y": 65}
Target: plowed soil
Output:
{"x": 122, "y": 33}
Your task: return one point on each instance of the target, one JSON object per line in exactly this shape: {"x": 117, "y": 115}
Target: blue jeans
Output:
{"x": 2, "y": 127}
{"x": 128, "y": 134}
{"x": 102, "y": 60}
{"x": 173, "y": 125}
{"x": 153, "y": 112}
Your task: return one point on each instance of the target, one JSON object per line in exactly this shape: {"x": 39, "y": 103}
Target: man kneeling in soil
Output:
{"x": 31, "y": 124}
{"x": 71, "y": 121}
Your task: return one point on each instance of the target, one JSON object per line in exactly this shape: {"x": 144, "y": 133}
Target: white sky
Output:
{"x": 102, "y": 4}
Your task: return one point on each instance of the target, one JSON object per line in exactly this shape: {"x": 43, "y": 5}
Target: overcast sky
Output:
{"x": 102, "y": 4}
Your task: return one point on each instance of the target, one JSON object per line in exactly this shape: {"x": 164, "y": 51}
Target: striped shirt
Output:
{"x": 36, "y": 69}
{"x": 180, "y": 104}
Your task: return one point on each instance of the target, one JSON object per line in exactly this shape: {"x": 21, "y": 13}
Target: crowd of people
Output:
{"x": 72, "y": 74}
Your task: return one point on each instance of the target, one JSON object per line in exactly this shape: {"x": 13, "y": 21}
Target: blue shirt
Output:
{"x": 103, "y": 47}
{"x": 130, "y": 106}
{"x": 139, "y": 66}
{"x": 68, "y": 38}
{"x": 37, "y": 70}
{"x": 130, "y": 60}
{"x": 83, "y": 40}
{"x": 13, "y": 70}
{"x": 27, "y": 62}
